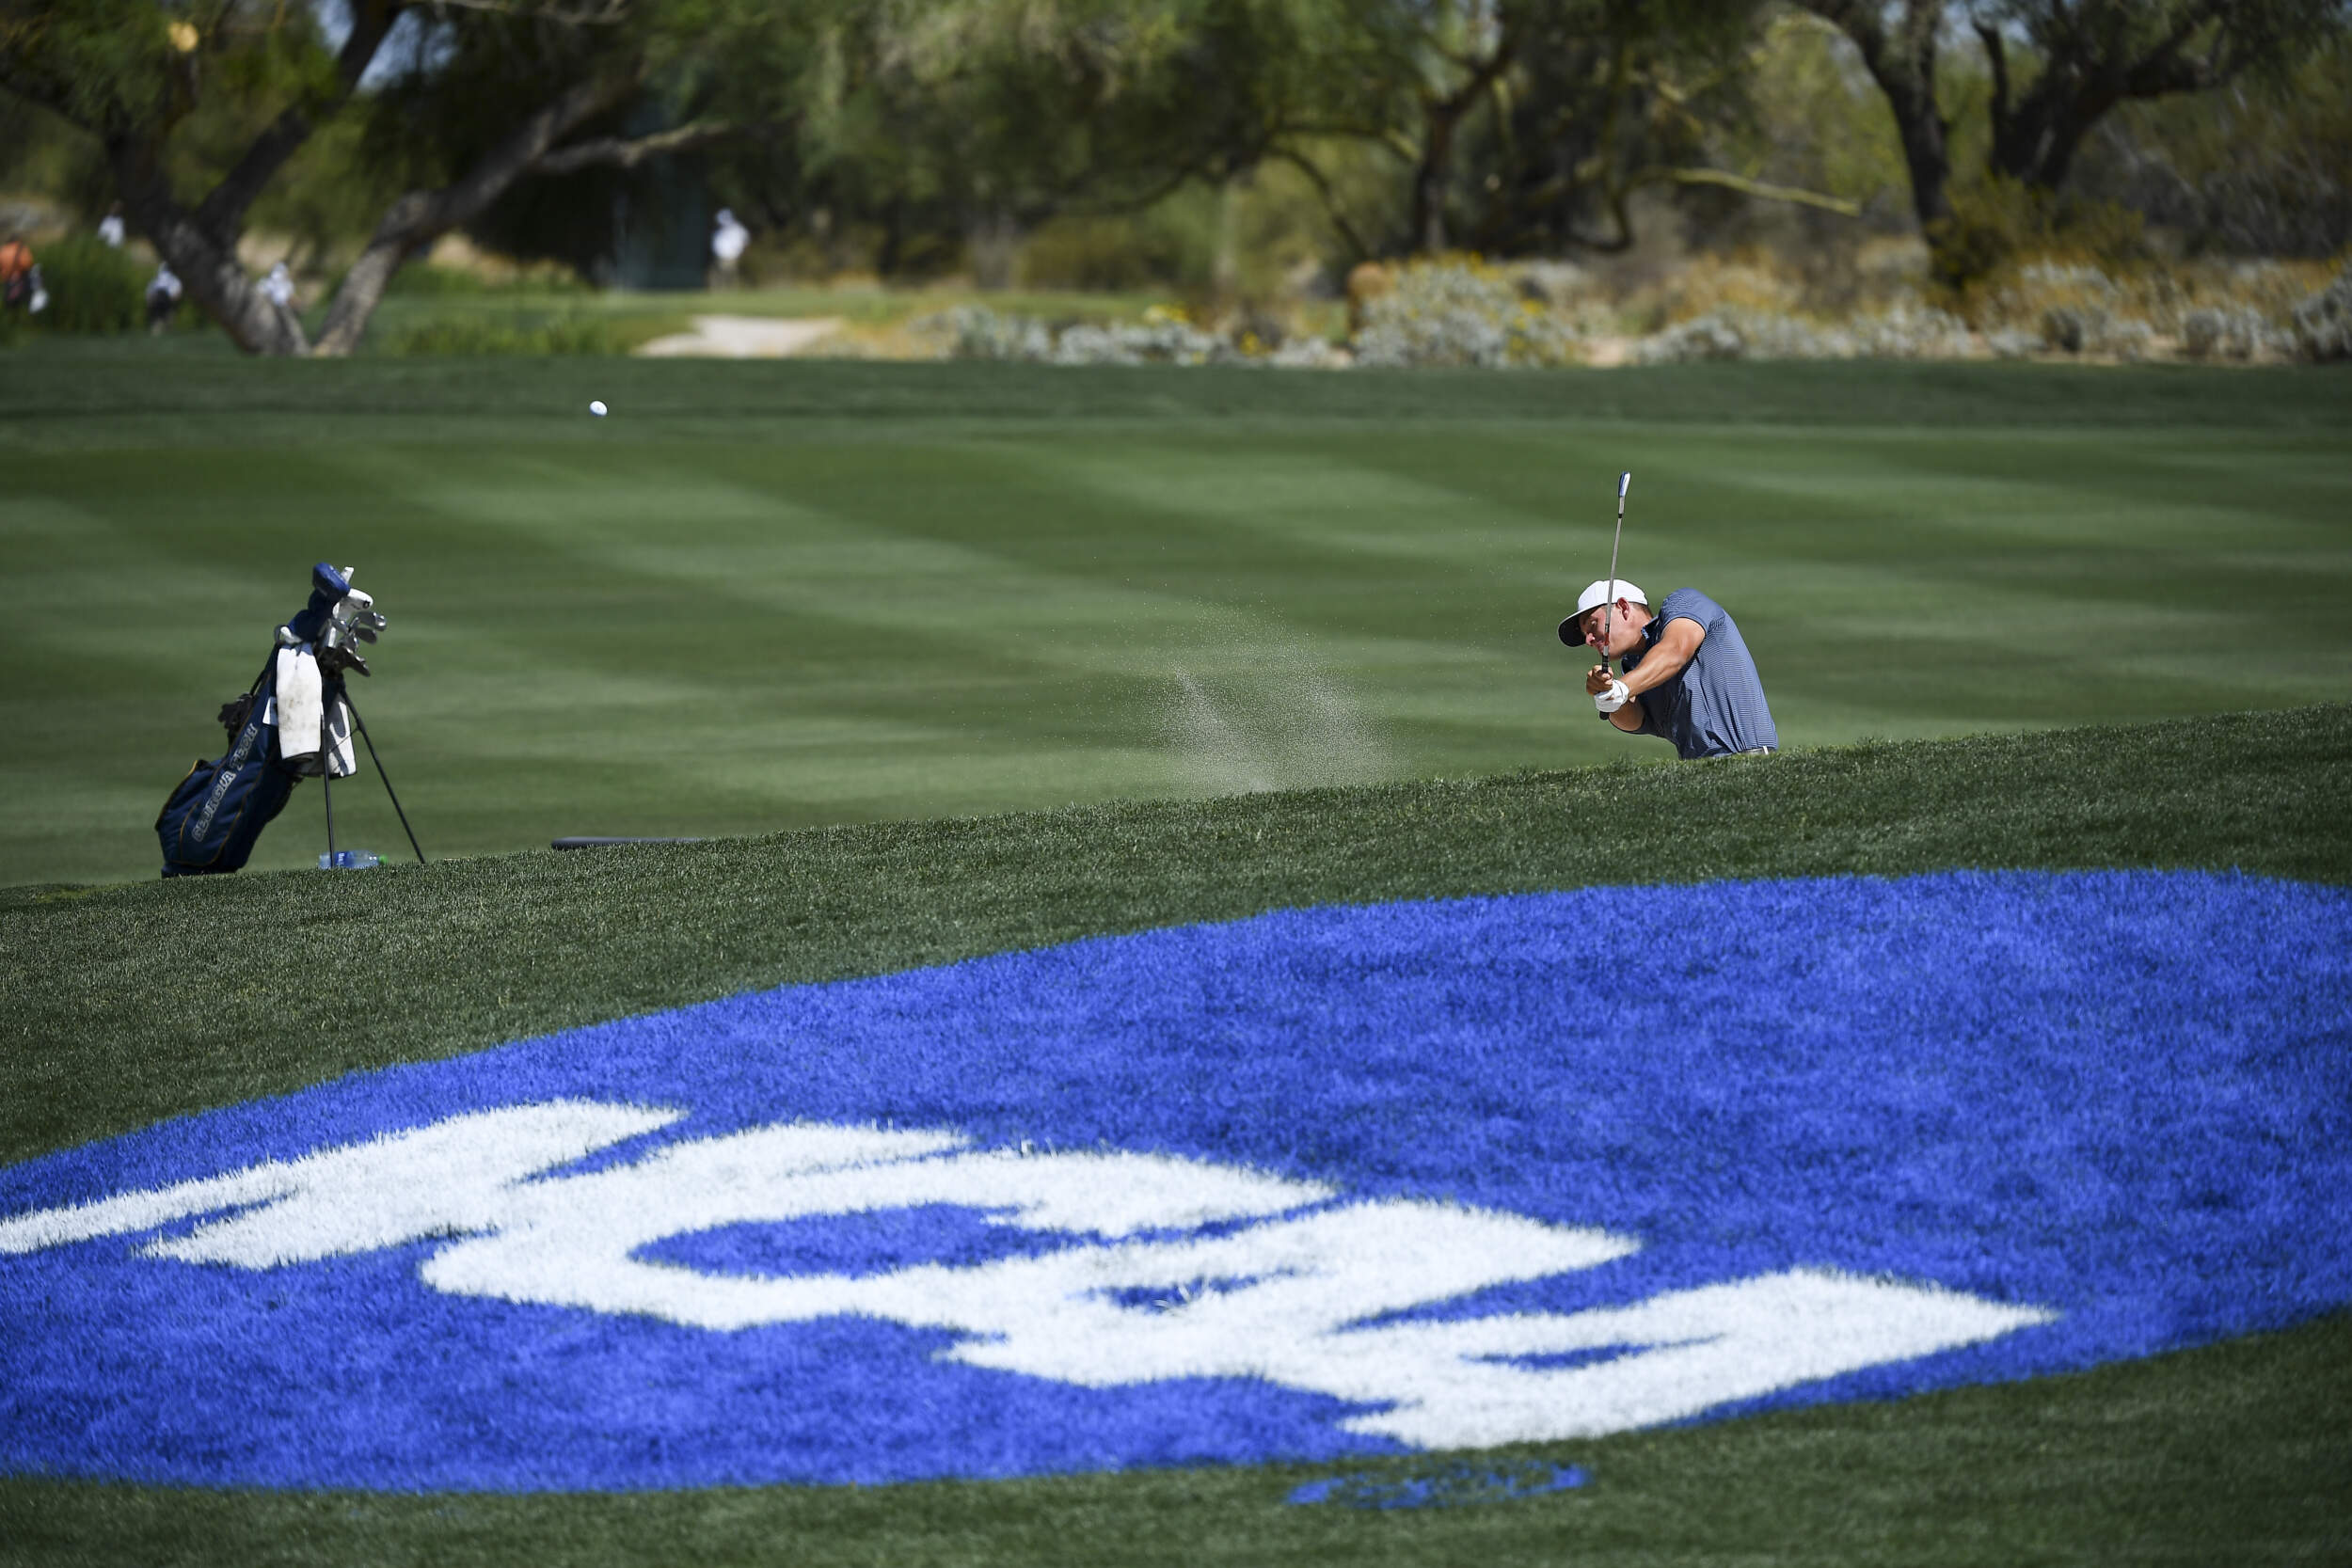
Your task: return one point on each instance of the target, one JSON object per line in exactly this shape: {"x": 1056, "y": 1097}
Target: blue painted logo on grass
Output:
{"x": 1456, "y": 1487}
{"x": 1322, "y": 1183}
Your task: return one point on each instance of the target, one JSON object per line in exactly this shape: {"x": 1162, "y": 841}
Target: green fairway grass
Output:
{"x": 406, "y": 307}
{"x": 2233, "y": 1454}
{"x": 763, "y": 597}
{"x": 122, "y": 1004}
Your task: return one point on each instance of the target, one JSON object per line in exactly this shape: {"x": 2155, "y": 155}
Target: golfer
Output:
{"x": 1688, "y": 677}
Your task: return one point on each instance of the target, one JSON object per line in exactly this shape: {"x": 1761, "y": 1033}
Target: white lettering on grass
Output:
{"x": 1287, "y": 1289}
{"x": 572, "y": 1243}
{"x": 451, "y": 1177}
{"x": 1685, "y": 1353}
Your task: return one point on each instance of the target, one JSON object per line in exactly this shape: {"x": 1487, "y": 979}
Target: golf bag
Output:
{"x": 293, "y": 723}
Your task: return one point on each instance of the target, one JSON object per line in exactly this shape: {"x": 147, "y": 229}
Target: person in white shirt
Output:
{"x": 278, "y": 288}
{"x": 163, "y": 297}
{"x": 110, "y": 227}
{"x": 729, "y": 238}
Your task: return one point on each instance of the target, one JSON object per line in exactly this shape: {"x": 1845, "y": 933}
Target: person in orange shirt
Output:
{"x": 16, "y": 271}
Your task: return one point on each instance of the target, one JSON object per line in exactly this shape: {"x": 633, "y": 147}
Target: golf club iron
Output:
{"x": 354, "y": 619}
{"x": 1609, "y": 606}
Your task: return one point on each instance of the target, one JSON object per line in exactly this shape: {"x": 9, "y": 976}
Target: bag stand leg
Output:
{"x": 327, "y": 782}
{"x": 361, "y": 725}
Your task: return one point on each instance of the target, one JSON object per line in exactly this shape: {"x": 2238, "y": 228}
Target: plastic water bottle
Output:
{"x": 350, "y": 860}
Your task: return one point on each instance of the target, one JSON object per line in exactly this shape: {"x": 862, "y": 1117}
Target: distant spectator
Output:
{"x": 20, "y": 278}
{"x": 727, "y": 239}
{"x": 278, "y": 288}
{"x": 163, "y": 297}
{"x": 110, "y": 226}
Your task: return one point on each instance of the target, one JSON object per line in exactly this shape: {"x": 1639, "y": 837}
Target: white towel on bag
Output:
{"x": 301, "y": 704}
{"x": 300, "y": 696}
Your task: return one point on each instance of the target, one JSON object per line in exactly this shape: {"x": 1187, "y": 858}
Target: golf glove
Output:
{"x": 1613, "y": 699}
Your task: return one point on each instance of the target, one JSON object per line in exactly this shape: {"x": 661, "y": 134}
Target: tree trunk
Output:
{"x": 1225, "y": 268}
{"x": 2036, "y": 140}
{"x": 2036, "y": 134}
{"x": 362, "y": 288}
{"x": 222, "y": 212}
{"x": 1902, "y": 63}
{"x": 1440, "y": 116}
{"x": 1927, "y": 154}
{"x": 1437, "y": 156}
{"x": 894, "y": 238}
{"x": 201, "y": 246}
{"x": 419, "y": 218}
{"x": 206, "y": 265}
{"x": 2044, "y": 160}
{"x": 994, "y": 243}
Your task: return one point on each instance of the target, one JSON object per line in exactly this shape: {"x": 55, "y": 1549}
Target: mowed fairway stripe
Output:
{"x": 666, "y": 625}
{"x": 940, "y": 610}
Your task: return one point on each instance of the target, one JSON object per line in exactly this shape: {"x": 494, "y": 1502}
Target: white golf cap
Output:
{"x": 1592, "y": 598}
{"x": 1600, "y": 594}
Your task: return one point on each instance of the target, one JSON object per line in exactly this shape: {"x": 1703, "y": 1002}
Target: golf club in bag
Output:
{"x": 295, "y": 721}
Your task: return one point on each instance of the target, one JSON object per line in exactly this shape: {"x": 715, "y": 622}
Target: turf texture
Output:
{"x": 2030, "y": 1087}
{"x": 767, "y": 596}
{"x": 126, "y": 1004}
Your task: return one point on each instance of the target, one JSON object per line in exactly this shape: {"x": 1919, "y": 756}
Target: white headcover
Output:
{"x": 1599, "y": 594}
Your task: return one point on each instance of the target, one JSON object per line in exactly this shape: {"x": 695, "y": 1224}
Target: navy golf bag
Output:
{"x": 215, "y": 818}
{"x": 294, "y": 722}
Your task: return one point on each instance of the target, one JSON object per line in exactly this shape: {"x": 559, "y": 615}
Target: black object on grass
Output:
{"x": 213, "y": 818}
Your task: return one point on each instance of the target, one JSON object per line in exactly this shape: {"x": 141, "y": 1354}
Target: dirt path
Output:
{"x": 744, "y": 338}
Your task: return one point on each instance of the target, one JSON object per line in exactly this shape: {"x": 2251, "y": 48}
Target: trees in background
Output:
{"x": 2265, "y": 173}
{"x": 490, "y": 96}
{"x": 2074, "y": 61}
{"x": 1511, "y": 124}
{"x": 131, "y": 73}
{"x": 944, "y": 132}
{"x": 1901, "y": 44}
{"x": 985, "y": 119}
{"x": 2057, "y": 68}
{"x": 1508, "y": 123}
{"x": 500, "y": 92}
{"x": 1611, "y": 98}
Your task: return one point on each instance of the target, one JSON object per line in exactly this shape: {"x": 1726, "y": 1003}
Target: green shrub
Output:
{"x": 1997, "y": 222}
{"x": 1461, "y": 310}
{"x": 424, "y": 278}
{"x": 92, "y": 287}
{"x": 1123, "y": 253}
{"x": 571, "y": 333}
{"x": 427, "y": 280}
{"x": 2323, "y": 323}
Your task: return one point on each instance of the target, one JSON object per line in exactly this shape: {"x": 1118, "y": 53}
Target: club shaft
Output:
{"x": 1608, "y": 612}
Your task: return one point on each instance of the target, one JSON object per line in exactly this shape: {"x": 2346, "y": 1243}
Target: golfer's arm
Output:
{"x": 1676, "y": 644}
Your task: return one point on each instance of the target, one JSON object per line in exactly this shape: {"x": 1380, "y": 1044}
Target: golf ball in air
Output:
{"x": 597, "y": 409}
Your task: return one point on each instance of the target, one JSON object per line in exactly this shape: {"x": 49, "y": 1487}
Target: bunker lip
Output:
{"x": 1320, "y": 1183}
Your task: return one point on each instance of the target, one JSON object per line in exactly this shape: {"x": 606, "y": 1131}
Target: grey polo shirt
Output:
{"x": 1715, "y": 706}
